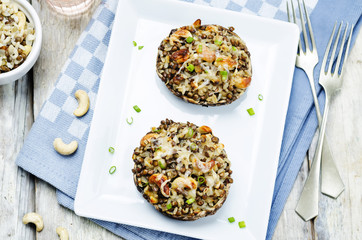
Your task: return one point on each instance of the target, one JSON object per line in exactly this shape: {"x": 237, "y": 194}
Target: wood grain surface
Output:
{"x": 20, "y": 192}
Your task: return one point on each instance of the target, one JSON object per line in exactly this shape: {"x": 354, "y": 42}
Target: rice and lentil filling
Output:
{"x": 182, "y": 170}
{"x": 204, "y": 64}
{"x": 17, "y": 35}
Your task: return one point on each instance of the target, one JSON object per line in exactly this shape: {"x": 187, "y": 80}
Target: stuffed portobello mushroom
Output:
{"x": 182, "y": 170}
{"x": 204, "y": 64}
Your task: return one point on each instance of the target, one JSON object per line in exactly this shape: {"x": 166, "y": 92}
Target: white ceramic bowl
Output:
{"x": 20, "y": 71}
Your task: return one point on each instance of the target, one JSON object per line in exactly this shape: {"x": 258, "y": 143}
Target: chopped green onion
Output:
{"x": 224, "y": 75}
{"x": 189, "y": 40}
{"x": 112, "y": 169}
{"x": 200, "y": 49}
{"x": 206, "y": 71}
{"x": 134, "y": 43}
{"x": 162, "y": 163}
{"x": 157, "y": 148}
{"x": 130, "y": 121}
{"x": 242, "y": 224}
{"x": 219, "y": 60}
{"x": 201, "y": 179}
{"x": 193, "y": 146}
{"x": 191, "y": 67}
{"x": 136, "y": 108}
{"x": 191, "y": 200}
{"x": 218, "y": 42}
{"x": 190, "y": 133}
{"x": 111, "y": 150}
{"x": 231, "y": 219}
{"x": 140, "y": 47}
{"x": 233, "y": 48}
{"x": 251, "y": 111}
{"x": 260, "y": 97}
{"x": 169, "y": 206}
{"x": 156, "y": 130}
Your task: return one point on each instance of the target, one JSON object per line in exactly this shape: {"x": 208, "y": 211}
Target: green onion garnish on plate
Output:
{"x": 251, "y": 111}
{"x": 233, "y": 48}
{"x": 231, "y": 219}
{"x": 112, "y": 169}
{"x": 136, "y": 108}
{"x": 134, "y": 43}
{"x": 190, "y": 133}
{"x": 169, "y": 206}
{"x": 140, "y": 47}
{"x": 162, "y": 163}
{"x": 189, "y": 40}
{"x": 241, "y": 224}
{"x": 224, "y": 75}
{"x": 193, "y": 146}
{"x": 129, "y": 122}
{"x": 111, "y": 150}
{"x": 260, "y": 97}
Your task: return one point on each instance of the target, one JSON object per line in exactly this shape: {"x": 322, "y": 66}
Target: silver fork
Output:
{"x": 307, "y": 206}
{"x": 332, "y": 184}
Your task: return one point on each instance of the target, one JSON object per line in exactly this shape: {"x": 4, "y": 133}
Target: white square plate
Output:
{"x": 251, "y": 142}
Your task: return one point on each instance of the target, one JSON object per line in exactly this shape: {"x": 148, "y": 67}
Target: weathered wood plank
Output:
{"x": 16, "y": 186}
{"x": 342, "y": 218}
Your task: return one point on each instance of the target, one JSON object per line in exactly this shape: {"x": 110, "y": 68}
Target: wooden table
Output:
{"x": 21, "y": 192}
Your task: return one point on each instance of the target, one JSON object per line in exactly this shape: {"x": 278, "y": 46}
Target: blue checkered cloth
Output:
{"x": 83, "y": 69}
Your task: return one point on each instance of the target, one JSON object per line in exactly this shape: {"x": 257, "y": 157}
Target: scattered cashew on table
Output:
{"x": 63, "y": 148}
{"x": 63, "y": 233}
{"x": 34, "y": 218}
{"x": 83, "y": 103}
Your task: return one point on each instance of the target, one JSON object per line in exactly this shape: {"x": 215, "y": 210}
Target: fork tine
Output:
{"x": 347, "y": 49}
{"x": 341, "y": 51}
{"x": 295, "y": 21}
{"x": 309, "y": 26}
{"x": 323, "y": 71}
{"x": 303, "y": 27}
{"x": 334, "y": 48}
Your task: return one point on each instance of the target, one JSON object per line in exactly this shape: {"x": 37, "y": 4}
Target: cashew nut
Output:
{"x": 22, "y": 19}
{"x": 83, "y": 103}
{"x": 65, "y": 149}
{"x": 35, "y": 218}
{"x": 63, "y": 233}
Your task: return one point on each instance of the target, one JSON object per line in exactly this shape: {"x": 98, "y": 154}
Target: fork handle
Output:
{"x": 307, "y": 206}
{"x": 332, "y": 184}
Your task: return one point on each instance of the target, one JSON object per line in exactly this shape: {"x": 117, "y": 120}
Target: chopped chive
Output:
{"x": 219, "y": 60}
{"x": 158, "y": 148}
{"x": 201, "y": 179}
{"x": 136, "y": 108}
{"x": 189, "y": 40}
{"x": 134, "y": 43}
{"x": 224, "y": 75}
{"x": 193, "y": 146}
{"x": 191, "y": 200}
{"x": 241, "y": 224}
{"x": 156, "y": 130}
{"x": 111, "y": 150}
{"x": 191, "y": 67}
{"x": 260, "y": 97}
{"x": 231, "y": 219}
{"x": 233, "y": 48}
{"x": 129, "y": 122}
{"x": 206, "y": 71}
{"x": 112, "y": 169}
{"x": 199, "y": 49}
{"x": 162, "y": 163}
{"x": 140, "y": 47}
{"x": 169, "y": 206}
{"x": 218, "y": 42}
{"x": 251, "y": 111}
{"x": 190, "y": 133}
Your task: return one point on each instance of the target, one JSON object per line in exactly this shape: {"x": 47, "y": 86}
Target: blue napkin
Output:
{"x": 83, "y": 69}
